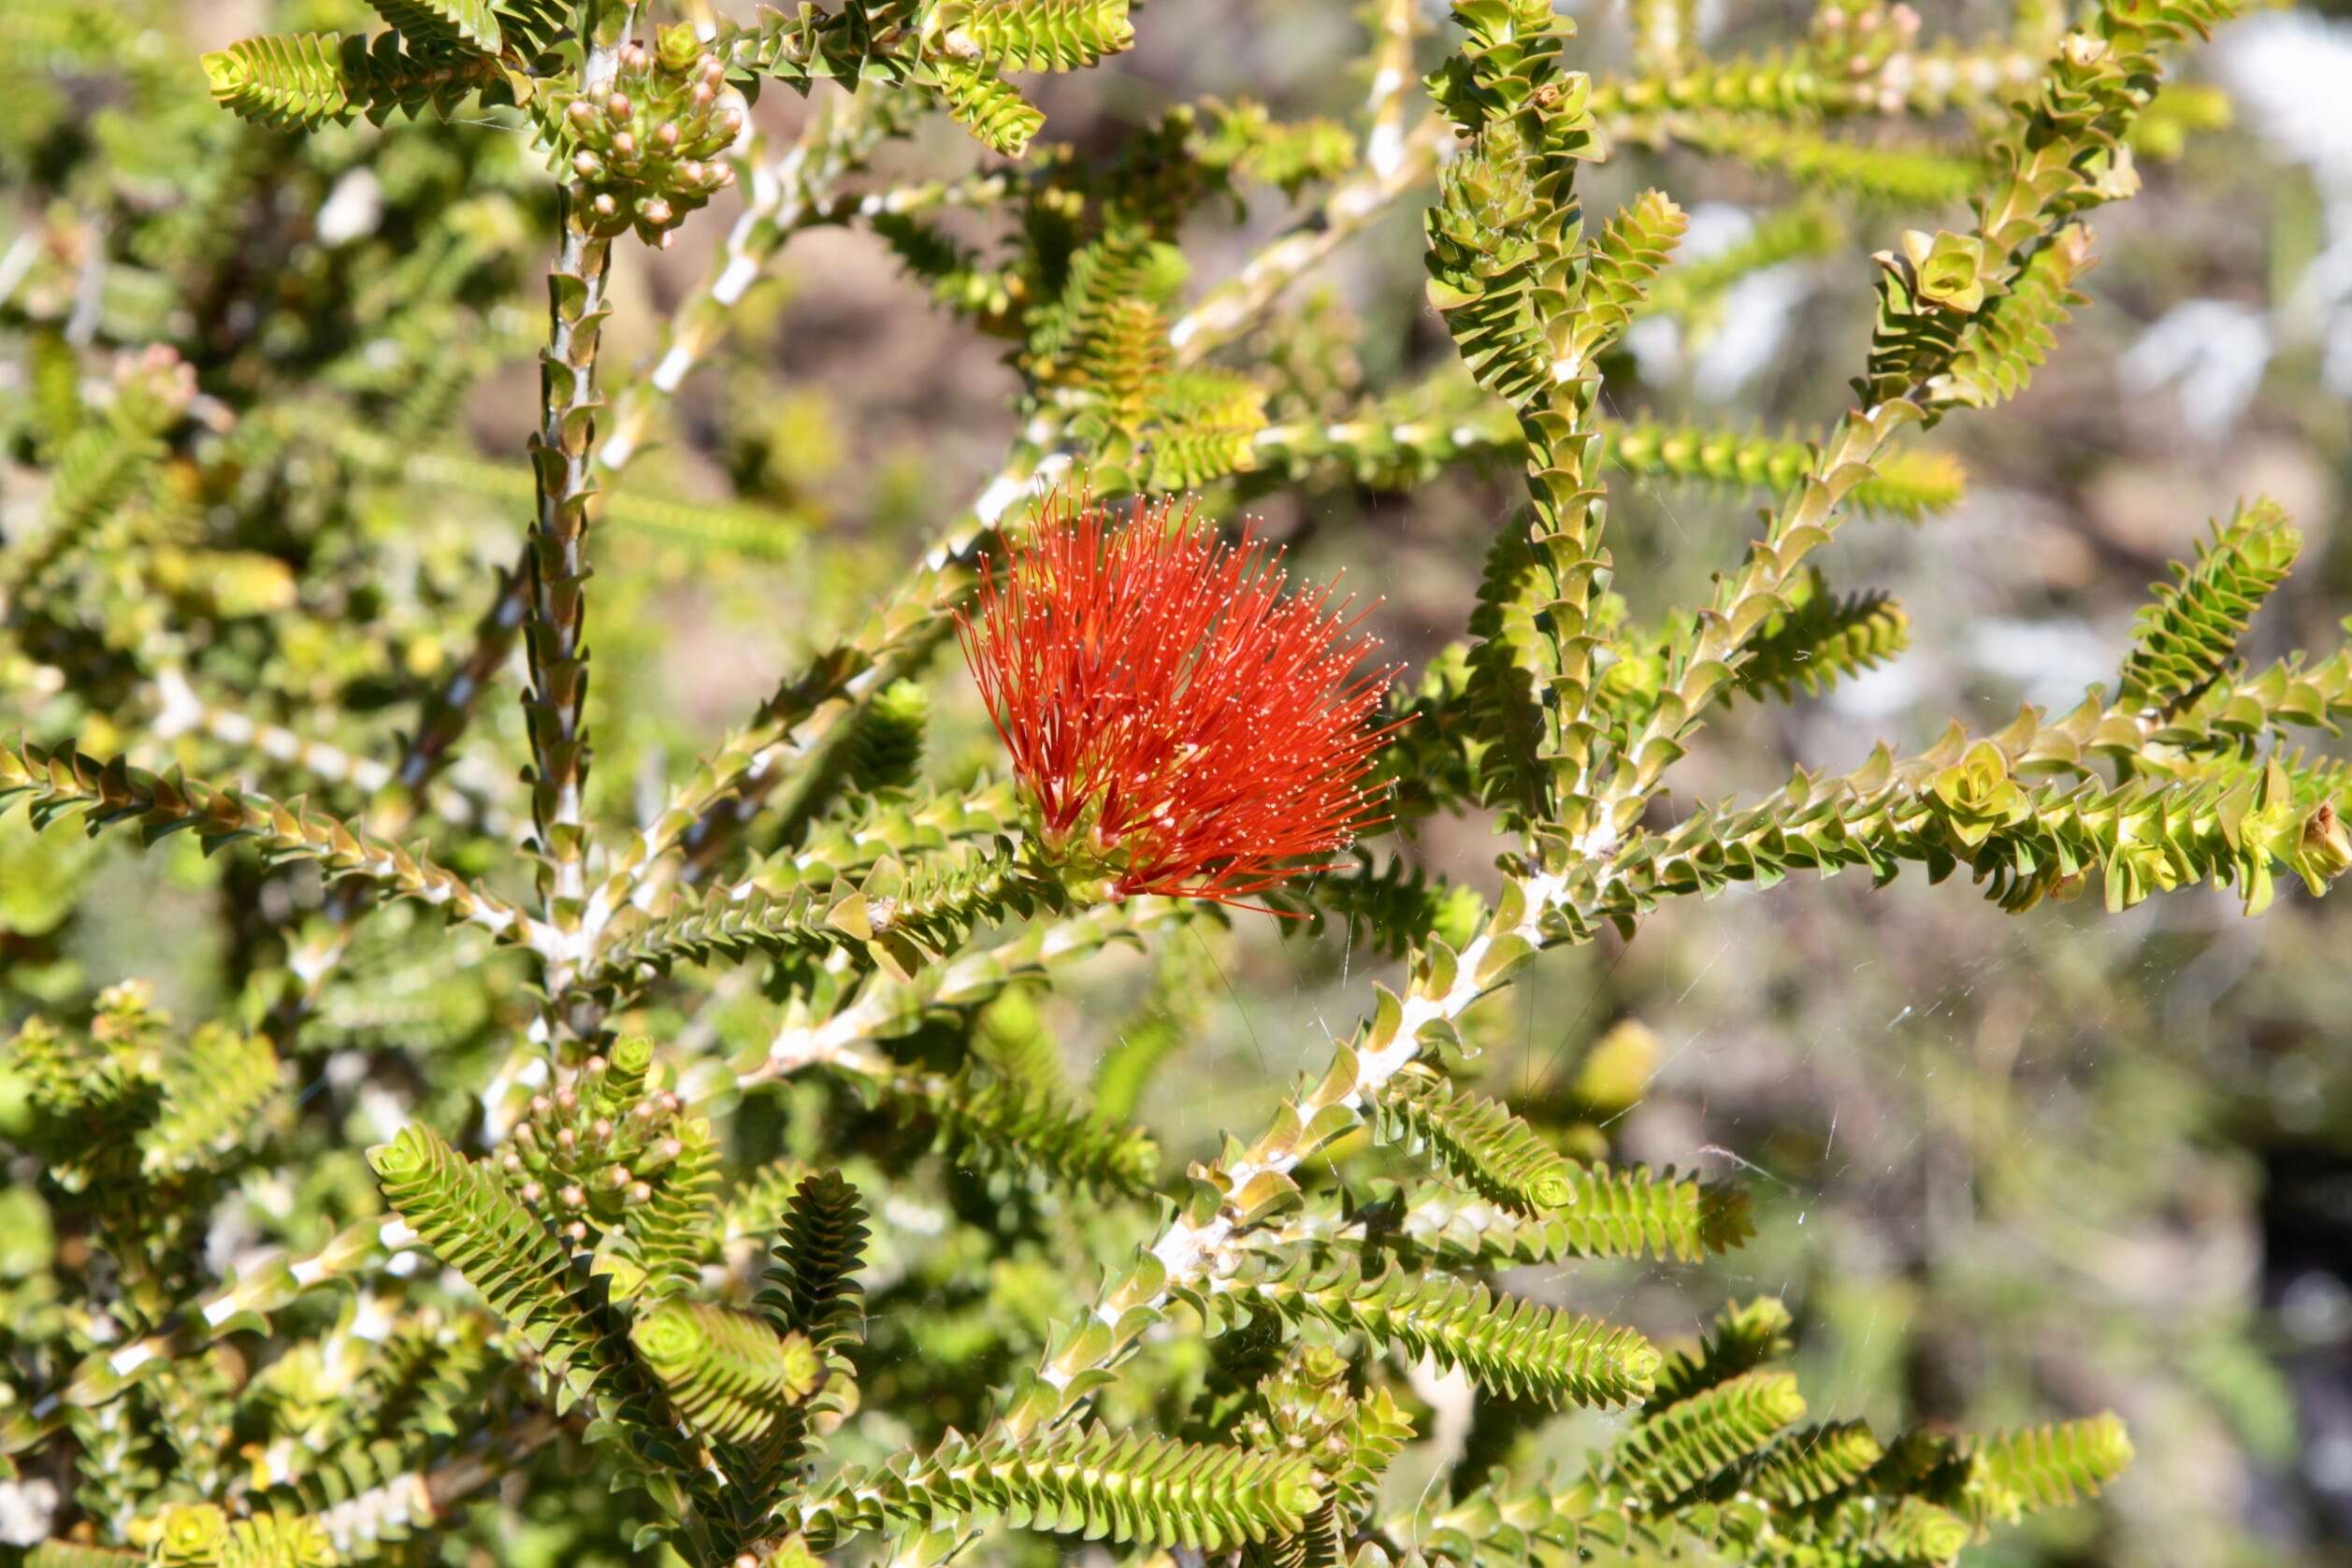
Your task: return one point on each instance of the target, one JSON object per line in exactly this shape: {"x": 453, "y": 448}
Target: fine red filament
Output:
{"x": 1157, "y": 688}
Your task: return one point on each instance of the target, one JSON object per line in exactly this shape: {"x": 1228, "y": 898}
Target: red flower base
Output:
{"x": 1183, "y": 727}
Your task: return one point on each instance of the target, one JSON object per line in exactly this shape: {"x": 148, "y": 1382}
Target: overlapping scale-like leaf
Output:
{"x": 474, "y": 1225}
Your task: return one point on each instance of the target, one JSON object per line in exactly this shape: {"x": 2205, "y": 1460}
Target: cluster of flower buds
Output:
{"x": 1875, "y": 45}
{"x": 648, "y": 145}
{"x": 1304, "y": 1408}
{"x": 1863, "y": 34}
{"x": 153, "y": 386}
{"x": 593, "y": 1147}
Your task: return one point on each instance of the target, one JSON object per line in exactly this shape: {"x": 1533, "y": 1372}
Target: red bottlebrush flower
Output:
{"x": 1182, "y": 726}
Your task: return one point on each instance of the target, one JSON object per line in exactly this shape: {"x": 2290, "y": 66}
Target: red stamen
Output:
{"x": 1157, "y": 679}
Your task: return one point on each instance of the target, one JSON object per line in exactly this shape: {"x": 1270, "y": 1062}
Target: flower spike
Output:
{"x": 1180, "y": 726}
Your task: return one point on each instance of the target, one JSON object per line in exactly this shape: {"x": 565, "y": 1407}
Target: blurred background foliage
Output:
{"x": 2003, "y": 1169}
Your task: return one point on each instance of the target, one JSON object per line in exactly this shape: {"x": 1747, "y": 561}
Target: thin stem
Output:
{"x": 470, "y": 1473}
{"x": 556, "y": 572}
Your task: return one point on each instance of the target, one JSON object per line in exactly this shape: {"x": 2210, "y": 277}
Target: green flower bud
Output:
{"x": 1979, "y": 795}
{"x": 1949, "y": 270}
{"x": 193, "y": 1533}
{"x": 2324, "y": 851}
{"x": 678, "y": 48}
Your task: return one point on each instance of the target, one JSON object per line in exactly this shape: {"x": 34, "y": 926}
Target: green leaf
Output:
{"x": 1812, "y": 1463}
{"x": 986, "y": 104}
{"x": 477, "y": 1226}
{"x": 2187, "y": 639}
{"x": 729, "y": 1374}
{"x": 669, "y": 1236}
{"x": 200, "y": 1535}
{"x": 1674, "y": 1450}
{"x": 886, "y": 745}
{"x": 471, "y": 24}
{"x": 928, "y": 910}
{"x": 1478, "y": 1139}
{"x": 1098, "y": 1486}
{"x": 1743, "y": 1337}
{"x": 2039, "y": 1468}
{"x": 1619, "y": 265}
{"x": 1000, "y": 1123}
{"x": 1627, "y": 1211}
{"x": 1518, "y": 1347}
{"x": 1821, "y": 640}
{"x": 1034, "y": 35}
{"x": 212, "y": 1088}
{"x": 1908, "y": 484}
{"x": 297, "y": 82}
{"x": 812, "y": 1285}
{"x": 530, "y": 26}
